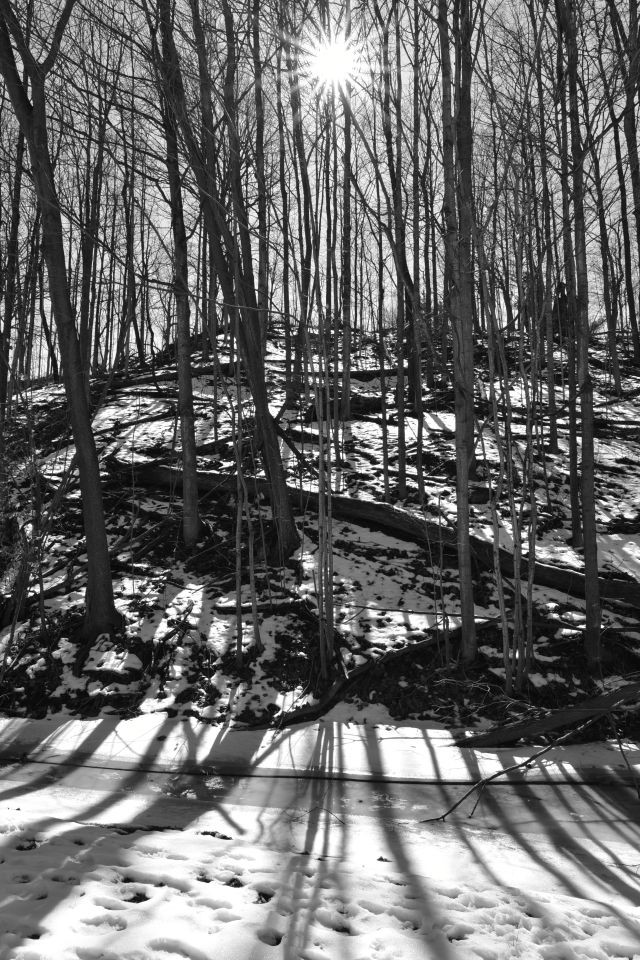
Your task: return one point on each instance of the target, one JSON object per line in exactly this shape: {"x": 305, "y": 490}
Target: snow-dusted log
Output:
{"x": 568, "y": 716}
{"x": 393, "y": 520}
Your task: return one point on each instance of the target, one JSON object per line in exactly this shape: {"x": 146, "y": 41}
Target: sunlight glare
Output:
{"x": 333, "y": 63}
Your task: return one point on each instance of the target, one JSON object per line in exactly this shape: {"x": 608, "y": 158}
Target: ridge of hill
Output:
{"x": 394, "y": 563}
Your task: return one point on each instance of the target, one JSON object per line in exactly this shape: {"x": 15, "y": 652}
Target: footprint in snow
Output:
{"x": 234, "y": 882}
{"x": 264, "y": 894}
{"x": 27, "y": 844}
{"x": 269, "y": 936}
{"x": 137, "y": 897}
{"x": 69, "y": 878}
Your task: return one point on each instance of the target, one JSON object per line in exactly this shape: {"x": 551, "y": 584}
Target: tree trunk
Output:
{"x": 585, "y": 384}
{"x": 233, "y": 262}
{"x": 100, "y": 612}
{"x": 458, "y": 248}
{"x": 345, "y": 253}
{"x": 190, "y": 515}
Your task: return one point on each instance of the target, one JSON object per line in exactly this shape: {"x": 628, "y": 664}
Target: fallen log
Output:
{"x": 568, "y": 716}
{"x": 119, "y": 382}
{"x": 362, "y": 406}
{"x": 394, "y": 520}
{"x": 383, "y": 516}
{"x": 365, "y": 376}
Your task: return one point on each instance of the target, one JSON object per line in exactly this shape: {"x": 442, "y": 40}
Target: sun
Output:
{"x": 333, "y": 63}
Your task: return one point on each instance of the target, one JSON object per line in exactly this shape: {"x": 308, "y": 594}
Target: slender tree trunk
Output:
{"x": 605, "y": 257}
{"x": 417, "y": 312}
{"x": 100, "y": 611}
{"x": 190, "y": 515}
{"x": 345, "y": 253}
{"x": 567, "y": 308}
{"x": 232, "y": 254}
{"x": 628, "y": 46}
{"x": 10, "y": 283}
{"x": 457, "y": 133}
{"x": 626, "y": 235}
{"x": 263, "y": 290}
{"x": 585, "y": 384}
{"x": 286, "y": 242}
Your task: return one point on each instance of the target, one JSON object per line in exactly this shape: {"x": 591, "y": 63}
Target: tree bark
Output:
{"x": 232, "y": 256}
{"x": 457, "y": 145}
{"x": 585, "y": 384}
{"x": 100, "y": 612}
{"x": 190, "y": 515}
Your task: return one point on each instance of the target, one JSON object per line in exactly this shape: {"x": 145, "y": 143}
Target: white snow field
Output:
{"x": 155, "y": 840}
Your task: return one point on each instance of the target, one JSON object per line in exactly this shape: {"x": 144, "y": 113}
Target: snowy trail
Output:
{"x": 123, "y": 865}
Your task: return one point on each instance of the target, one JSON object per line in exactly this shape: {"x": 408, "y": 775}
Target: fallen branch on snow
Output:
{"x": 523, "y": 764}
{"x": 590, "y": 710}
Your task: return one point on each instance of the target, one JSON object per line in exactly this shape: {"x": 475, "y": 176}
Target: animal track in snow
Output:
{"x": 137, "y": 897}
{"x": 264, "y": 894}
{"x": 29, "y": 843}
{"x": 69, "y": 878}
{"x": 234, "y": 882}
{"x": 269, "y": 936}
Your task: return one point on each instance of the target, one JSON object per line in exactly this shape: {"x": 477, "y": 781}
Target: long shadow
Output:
{"x": 45, "y": 894}
{"x": 306, "y": 882}
{"x": 431, "y": 931}
{"x": 561, "y": 839}
{"x": 326, "y": 837}
{"x": 323, "y": 888}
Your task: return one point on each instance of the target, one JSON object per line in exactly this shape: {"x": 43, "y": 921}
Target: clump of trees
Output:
{"x": 172, "y": 170}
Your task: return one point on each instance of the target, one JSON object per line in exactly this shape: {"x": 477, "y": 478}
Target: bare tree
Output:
{"x": 458, "y": 215}
{"x": 29, "y": 102}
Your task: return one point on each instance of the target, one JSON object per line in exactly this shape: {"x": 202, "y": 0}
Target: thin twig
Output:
{"x": 481, "y": 784}
{"x": 624, "y": 756}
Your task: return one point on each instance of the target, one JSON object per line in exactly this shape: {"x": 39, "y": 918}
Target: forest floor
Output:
{"x": 395, "y": 598}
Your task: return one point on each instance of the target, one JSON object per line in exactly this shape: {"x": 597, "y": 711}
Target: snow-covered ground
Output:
{"x": 98, "y": 864}
{"x": 108, "y": 864}
{"x": 83, "y": 892}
